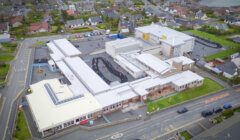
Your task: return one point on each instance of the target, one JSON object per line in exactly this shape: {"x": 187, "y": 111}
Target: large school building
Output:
{"x": 56, "y": 104}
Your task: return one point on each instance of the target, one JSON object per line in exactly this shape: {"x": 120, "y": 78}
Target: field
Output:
{"x": 231, "y": 46}
{"x": 22, "y": 132}
{"x": 209, "y": 86}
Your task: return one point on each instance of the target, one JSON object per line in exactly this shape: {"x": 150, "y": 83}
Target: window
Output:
{"x": 77, "y": 120}
{"x": 90, "y": 115}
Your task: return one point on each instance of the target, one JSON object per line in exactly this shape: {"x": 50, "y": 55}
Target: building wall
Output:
{"x": 166, "y": 49}
{"x": 134, "y": 74}
{"x": 187, "y": 47}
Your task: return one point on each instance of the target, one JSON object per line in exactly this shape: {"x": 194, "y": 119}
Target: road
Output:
{"x": 18, "y": 82}
{"x": 161, "y": 123}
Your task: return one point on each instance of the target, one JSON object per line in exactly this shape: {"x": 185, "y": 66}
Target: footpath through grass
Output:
{"x": 209, "y": 86}
{"x": 22, "y": 132}
{"x": 232, "y": 46}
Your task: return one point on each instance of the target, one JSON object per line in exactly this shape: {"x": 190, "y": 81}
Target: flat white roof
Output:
{"x": 115, "y": 95}
{"x": 76, "y": 86}
{"x": 121, "y": 43}
{"x": 86, "y": 75}
{"x": 179, "y": 79}
{"x": 47, "y": 115}
{"x": 182, "y": 59}
{"x": 66, "y": 47}
{"x": 153, "y": 62}
{"x": 173, "y": 37}
{"x": 186, "y": 77}
{"x": 56, "y": 54}
{"x": 131, "y": 66}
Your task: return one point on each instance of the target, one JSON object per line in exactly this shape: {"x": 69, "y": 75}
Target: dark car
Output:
{"x": 206, "y": 113}
{"x": 227, "y": 106}
{"x": 182, "y": 110}
{"x": 217, "y": 109}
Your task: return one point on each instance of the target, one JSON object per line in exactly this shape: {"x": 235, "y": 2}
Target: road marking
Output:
{"x": 116, "y": 136}
{"x": 218, "y": 97}
{"x": 187, "y": 124}
{"x": 202, "y": 126}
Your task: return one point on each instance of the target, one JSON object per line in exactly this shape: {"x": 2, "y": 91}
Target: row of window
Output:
{"x": 117, "y": 105}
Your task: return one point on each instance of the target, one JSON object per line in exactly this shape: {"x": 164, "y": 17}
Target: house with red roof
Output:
{"x": 16, "y": 21}
{"x": 39, "y": 27}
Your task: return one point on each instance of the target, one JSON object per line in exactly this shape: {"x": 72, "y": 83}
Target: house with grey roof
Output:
{"x": 75, "y": 23}
{"x": 95, "y": 20}
{"x": 220, "y": 26}
{"x": 229, "y": 69}
{"x": 200, "y": 15}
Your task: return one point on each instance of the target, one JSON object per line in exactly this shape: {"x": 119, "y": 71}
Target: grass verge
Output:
{"x": 22, "y": 132}
{"x": 186, "y": 135}
{"x": 209, "y": 86}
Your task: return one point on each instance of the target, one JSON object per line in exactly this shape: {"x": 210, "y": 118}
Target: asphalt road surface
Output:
{"x": 159, "y": 124}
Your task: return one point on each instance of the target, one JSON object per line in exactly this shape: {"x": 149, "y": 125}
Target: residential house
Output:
{"x": 200, "y": 15}
{"x": 149, "y": 11}
{"x": 72, "y": 7}
{"x": 128, "y": 3}
{"x": 95, "y": 20}
{"x": 220, "y": 26}
{"x": 39, "y": 27}
{"x": 70, "y": 12}
{"x": 229, "y": 69}
{"x": 75, "y": 23}
{"x": 126, "y": 27}
{"x": 4, "y": 38}
{"x": 45, "y": 7}
{"x": 232, "y": 20}
{"x": 83, "y": 5}
{"x": 137, "y": 17}
{"x": 181, "y": 11}
{"x": 16, "y": 21}
{"x": 4, "y": 27}
{"x": 111, "y": 13}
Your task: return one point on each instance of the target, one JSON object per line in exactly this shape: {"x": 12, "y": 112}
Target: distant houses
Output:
{"x": 39, "y": 27}
{"x": 16, "y": 21}
{"x": 4, "y": 27}
{"x": 95, "y": 20}
{"x": 75, "y": 23}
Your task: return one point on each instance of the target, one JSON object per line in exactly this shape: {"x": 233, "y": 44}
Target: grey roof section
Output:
{"x": 97, "y": 19}
{"x": 75, "y": 22}
{"x": 227, "y": 130}
{"x": 228, "y": 67}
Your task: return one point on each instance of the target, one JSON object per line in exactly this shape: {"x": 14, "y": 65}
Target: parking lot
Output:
{"x": 200, "y": 51}
{"x": 90, "y": 44}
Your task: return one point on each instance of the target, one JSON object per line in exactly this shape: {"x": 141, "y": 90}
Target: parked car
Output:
{"x": 182, "y": 110}
{"x": 206, "y": 113}
{"x": 217, "y": 109}
{"x": 227, "y": 106}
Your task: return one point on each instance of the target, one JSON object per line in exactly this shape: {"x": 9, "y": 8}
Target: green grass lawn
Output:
{"x": 232, "y": 47}
{"x": 209, "y": 86}
{"x": 186, "y": 135}
{"x": 4, "y": 70}
{"x": 22, "y": 132}
{"x": 82, "y": 29}
{"x": 4, "y": 58}
{"x": 9, "y": 47}
{"x": 102, "y": 26}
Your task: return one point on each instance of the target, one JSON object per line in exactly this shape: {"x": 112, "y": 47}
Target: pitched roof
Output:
{"x": 16, "y": 19}
{"x": 39, "y": 25}
{"x": 75, "y": 22}
{"x": 228, "y": 67}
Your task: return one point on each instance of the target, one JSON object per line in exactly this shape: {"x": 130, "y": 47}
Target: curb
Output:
{"x": 68, "y": 131}
{"x": 194, "y": 99}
